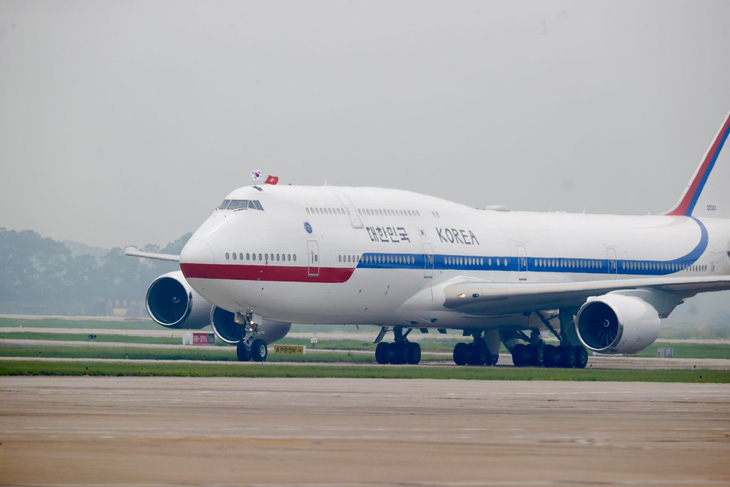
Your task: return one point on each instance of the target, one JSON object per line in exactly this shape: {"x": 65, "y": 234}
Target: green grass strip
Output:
{"x": 227, "y": 354}
{"x": 8, "y": 368}
{"x": 127, "y": 324}
{"x": 78, "y": 337}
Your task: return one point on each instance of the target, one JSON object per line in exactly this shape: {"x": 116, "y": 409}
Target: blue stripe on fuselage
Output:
{"x": 537, "y": 264}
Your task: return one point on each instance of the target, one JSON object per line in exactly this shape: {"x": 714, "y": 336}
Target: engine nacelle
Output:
{"x": 616, "y": 323}
{"x": 226, "y": 328}
{"x": 171, "y": 302}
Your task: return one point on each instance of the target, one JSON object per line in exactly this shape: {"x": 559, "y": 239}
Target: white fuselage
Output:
{"x": 382, "y": 256}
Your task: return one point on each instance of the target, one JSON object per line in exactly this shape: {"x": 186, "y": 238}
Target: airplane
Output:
{"x": 273, "y": 255}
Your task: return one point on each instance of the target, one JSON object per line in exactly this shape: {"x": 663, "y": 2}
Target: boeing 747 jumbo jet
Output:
{"x": 273, "y": 255}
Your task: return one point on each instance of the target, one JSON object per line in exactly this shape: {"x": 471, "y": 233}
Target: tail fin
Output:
{"x": 692, "y": 192}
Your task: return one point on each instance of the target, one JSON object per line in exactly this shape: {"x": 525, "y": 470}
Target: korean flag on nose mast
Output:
{"x": 256, "y": 175}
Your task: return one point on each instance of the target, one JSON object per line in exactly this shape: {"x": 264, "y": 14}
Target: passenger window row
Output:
{"x": 388, "y": 212}
{"x": 326, "y": 211}
{"x": 389, "y": 259}
{"x": 569, "y": 263}
{"x": 348, "y": 258}
{"x": 261, "y": 257}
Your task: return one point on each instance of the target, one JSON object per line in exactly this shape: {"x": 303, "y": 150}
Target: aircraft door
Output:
{"x": 612, "y": 265}
{"x": 351, "y": 210}
{"x": 521, "y": 263}
{"x": 313, "y": 257}
{"x": 428, "y": 258}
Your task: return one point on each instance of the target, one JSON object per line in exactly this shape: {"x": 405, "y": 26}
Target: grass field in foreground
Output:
{"x": 681, "y": 350}
{"x": 355, "y": 372}
{"x": 126, "y": 324}
{"x": 78, "y": 337}
{"x": 190, "y": 353}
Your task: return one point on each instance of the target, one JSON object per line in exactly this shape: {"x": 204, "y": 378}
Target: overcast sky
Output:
{"x": 127, "y": 122}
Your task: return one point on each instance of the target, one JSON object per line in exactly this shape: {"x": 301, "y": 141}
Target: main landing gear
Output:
{"x": 399, "y": 352}
{"x": 541, "y": 354}
{"x": 536, "y": 353}
{"x": 475, "y": 353}
{"x": 250, "y": 347}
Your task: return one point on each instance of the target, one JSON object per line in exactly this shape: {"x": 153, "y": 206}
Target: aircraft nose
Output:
{"x": 197, "y": 252}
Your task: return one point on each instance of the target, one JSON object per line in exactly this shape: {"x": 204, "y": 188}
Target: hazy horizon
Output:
{"x": 127, "y": 123}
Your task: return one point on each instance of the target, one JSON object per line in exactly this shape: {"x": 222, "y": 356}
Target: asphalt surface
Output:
{"x": 364, "y": 432}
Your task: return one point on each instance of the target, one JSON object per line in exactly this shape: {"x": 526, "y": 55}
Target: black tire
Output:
{"x": 495, "y": 359}
{"x": 399, "y": 353}
{"x": 243, "y": 353}
{"x": 537, "y": 354}
{"x": 581, "y": 357}
{"x": 486, "y": 355}
{"x": 477, "y": 354}
{"x": 567, "y": 357}
{"x": 519, "y": 355}
{"x": 382, "y": 353}
{"x": 414, "y": 353}
{"x": 461, "y": 353}
{"x": 549, "y": 355}
{"x": 259, "y": 350}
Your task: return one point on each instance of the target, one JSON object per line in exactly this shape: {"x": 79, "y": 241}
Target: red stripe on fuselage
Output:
{"x": 265, "y": 273}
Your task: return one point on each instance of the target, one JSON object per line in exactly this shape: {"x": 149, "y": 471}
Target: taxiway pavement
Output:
{"x": 353, "y": 432}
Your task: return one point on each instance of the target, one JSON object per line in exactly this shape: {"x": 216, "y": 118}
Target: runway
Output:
{"x": 353, "y": 432}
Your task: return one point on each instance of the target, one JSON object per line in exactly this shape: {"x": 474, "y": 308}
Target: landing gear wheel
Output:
{"x": 414, "y": 353}
{"x": 549, "y": 356}
{"x": 382, "y": 353}
{"x": 259, "y": 350}
{"x": 495, "y": 358}
{"x": 581, "y": 357}
{"x": 519, "y": 355}
{"x": 567, "y": 356}
{"x": 243, "y": 353}
{"x": 537, "y": 354}
{"x": 399, "y": 353}
{"x": 461, "y": 353}
{"x": 478, "y": 353}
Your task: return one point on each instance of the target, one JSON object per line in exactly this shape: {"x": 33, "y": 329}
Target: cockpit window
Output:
{"x": 238, "y": 205}
{"x": 241, "y": 205}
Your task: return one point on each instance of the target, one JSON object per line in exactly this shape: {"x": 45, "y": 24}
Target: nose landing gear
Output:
{"x": 250, "y": 347}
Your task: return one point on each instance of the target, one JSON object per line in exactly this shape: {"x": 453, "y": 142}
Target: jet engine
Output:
{"x": 226, "y": 328}
{"x": 617, "y": 323}
{"x": 171, "y": 302}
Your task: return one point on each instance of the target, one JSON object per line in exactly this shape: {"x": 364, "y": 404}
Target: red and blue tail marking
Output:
{"x": 692, "y": 193}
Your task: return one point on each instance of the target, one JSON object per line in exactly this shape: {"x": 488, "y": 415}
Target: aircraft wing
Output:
{"x": 483, "y": 298}
{"x": 134, "y": 252}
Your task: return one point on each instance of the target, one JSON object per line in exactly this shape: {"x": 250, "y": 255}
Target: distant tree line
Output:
{"x": 41, "y": 276}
